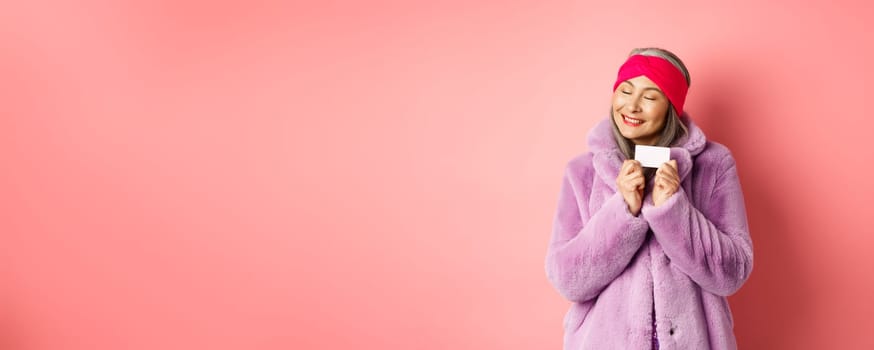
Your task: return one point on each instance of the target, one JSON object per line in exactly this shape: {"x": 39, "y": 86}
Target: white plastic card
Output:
{"x": 651, "y": 156}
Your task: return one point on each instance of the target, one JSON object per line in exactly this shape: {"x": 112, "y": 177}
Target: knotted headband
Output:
{"x": 662, "y": 72}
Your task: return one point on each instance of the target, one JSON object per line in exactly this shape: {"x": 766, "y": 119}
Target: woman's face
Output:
{"x": 639, "y": 110}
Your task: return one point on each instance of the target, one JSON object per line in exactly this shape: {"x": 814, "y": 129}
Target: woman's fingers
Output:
{"x": 630, "y": 166}
{"x": 669, "y": 168}
{"x": 634, "y": 180}
{"x": 631, "y": 176}
{"x": 636, "y": 167}
{"x": 667, "y": 180}
{"x": 630, "y": 182}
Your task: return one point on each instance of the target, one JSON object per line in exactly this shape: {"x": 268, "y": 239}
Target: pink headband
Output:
{"x": 662, "y": 72}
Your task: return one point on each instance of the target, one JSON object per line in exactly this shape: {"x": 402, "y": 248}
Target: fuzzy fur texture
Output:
{"x": 682, "y": 258}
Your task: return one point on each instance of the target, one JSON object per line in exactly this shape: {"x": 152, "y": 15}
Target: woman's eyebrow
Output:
{"x": 644, "y": 89}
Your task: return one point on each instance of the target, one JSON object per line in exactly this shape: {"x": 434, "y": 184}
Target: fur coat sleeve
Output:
{"x": 711, "y": 244}
{"x": 588, "y": 251}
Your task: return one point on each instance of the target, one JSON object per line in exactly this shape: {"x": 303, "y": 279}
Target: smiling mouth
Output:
{"x": 631, "y": 121}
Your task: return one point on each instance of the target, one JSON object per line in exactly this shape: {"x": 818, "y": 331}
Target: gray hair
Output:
{"x": 674, "y": 128}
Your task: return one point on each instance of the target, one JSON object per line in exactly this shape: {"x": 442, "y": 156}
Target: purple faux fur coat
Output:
{"x": 680, "y": 259}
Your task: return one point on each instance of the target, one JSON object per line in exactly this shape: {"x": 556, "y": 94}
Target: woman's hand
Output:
{"x": 667, "y": 182}
{"x": 630, "y": 182}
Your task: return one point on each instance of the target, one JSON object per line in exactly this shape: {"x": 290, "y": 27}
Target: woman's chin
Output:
{"x": 628, "y": 134}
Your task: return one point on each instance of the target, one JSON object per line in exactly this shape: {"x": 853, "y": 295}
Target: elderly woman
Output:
{"x": 648, "y": 256}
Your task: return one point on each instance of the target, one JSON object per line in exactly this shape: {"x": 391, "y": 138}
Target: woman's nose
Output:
{"x": 632, "y": 105}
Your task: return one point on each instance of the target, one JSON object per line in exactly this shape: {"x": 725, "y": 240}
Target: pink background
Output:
{"x": 259, "y": 175}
